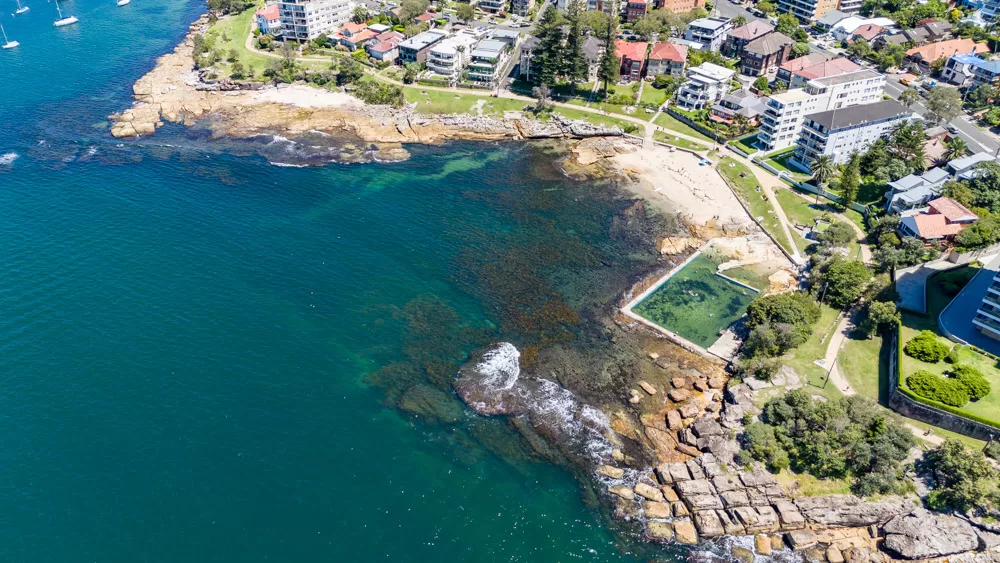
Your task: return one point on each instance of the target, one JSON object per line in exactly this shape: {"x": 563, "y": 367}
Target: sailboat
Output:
{"x": 7, "y": 44}
{"x": 21, "y": 9}
{"x": 64, "y": 21}
{"x": 123, "y": 2}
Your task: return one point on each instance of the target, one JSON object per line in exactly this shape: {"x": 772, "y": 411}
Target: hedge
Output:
{"x": 926, "y": 347}
{"x": 937, "y": 388}
{"x": 973, "y": 381}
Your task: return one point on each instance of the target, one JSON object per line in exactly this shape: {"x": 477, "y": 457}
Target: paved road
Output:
{"x": 978, "y": 139}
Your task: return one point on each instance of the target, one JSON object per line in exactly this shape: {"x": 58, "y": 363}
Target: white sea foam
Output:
{"x": 500, "y": 366}
{"x": 287, "y": 165}
{"x": 7, "y": 159}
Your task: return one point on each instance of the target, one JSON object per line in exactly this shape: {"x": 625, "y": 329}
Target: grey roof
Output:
{"x": 489, "y": 48}
{"x": 966, "y": 162}
{"x": 831, "y": 18}
{"x": 907, "y": 183}
{"x": 938, "y": 27}
{"x": 916, "y": 34}
{"x": 855, "y": 115}
{"x": 591, "y": 48}
{"x": 768, "y": 44}
{"x": 935, "y": 175}
{"x": 918, "y": 195}
{"x": 897, "y": 39}
{"x": 709, "y": 23}
{"x": 528, "y": 44}
{"x": 421, "y": 40}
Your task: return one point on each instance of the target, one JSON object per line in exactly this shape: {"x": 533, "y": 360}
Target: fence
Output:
{"x": 696, "y": 126}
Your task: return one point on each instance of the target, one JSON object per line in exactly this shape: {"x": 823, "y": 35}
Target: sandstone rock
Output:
{"x": 695, "y": 469}
{"x": 734, "y": 499}
{"x": 695, "y": 487}
{"x": 610, "y": 471}
{"x": 863, "y": 555}
{"x": 730, "y": 524}
{"x": 623, "y": 491}
{"x": 923, "y": 535}
{"x": 708, "y": 524}
{"x": 700, "y": 385}
{"x": 617, "y": 455}
{"x": 777, "y": 543}
{"x": 833, "y": 555}
{"x": 649, "y": 492}
{"x": 663, "y": 474}
{"x": 851, "y": 512}
{"x": 688, "y": 450}
{"x": 762, "y": 544}
{"x": 686, "y": 436}
{"x": 659, "y": 531}
{"x": 814, "y": 555}
{"x": 679, "y": 382}
{"x": 662, "y": 440}
{"x": 716, "y": 382}
{"x": 653, "y": 356}
{"x": 789, "y": 515}
{"x": 679, "y": 509}
{"x": 656, "y": 509}
{"x": 669, "y": 494}
{"x": 674, "y": 421}
{"x": 679, "y": 395}
{"x": 801, "y": 539}
{"x": 757, "y": 520}
{"x": 685, "y": 533}
{"x": 625, "y": 510}
{"x": 634, "y": 397}
{"x": 757, "y": 498}
{"x": 727, "y": 483}
{"x": 742, "y": 554}
{"x": 647, "y": 387}
{"x": 689, "y": 411}
{"x": 706, "y": 427}
{"x": 758, "y": 478}
{"x": 713, "y": 407}
{"x": 679, "y": 472}
{"x": 698, "y": 503}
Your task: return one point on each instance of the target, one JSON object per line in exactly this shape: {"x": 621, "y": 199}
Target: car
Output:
{"x": 820, "y": 45}
{"x": 905, "y": 81}
{"x": 952, "y": 129}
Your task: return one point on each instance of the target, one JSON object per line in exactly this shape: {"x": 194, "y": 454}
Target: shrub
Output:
{"x": 937, "y": 388}
{"x": 963, "y": 478}
{"x": 954, "y": 357}
{"x": 926, "y": 347}
{"x": 992, "y": 450}
{"x": 376, "y": 93}
{"x": 973, "y": 381}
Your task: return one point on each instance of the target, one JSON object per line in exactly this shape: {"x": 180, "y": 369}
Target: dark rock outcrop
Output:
{"x": 923, "y": 535}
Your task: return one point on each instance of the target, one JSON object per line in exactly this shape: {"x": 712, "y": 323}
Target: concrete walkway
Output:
{"x": 911, "y": 284}
{"x": 767, "y": 184}
{"x": 866, "y": 251}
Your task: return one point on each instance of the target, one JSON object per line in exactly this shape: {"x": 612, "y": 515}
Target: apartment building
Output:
{"x": 987, "y": 319}
{"x": 838, "y": 133}
{"x": 451, "y": 55}
{"x": 706, "y": 84}
{"x": 635, "y": 9}
{"x": 414, "y": 49}
{"x": 738, "y": 38}
{"x": 764, "y": 53}
{"x": 487, "y": 60}
{"x": 305, "y": 20}
{"x": 680, "y": 6}
{"x": 781, "y": 124}
{"x": 666, "y": 58}
{"x": 709, "y": 32}
{"x": 808, "y": 10}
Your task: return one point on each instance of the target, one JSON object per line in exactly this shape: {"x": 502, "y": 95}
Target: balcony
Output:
{"x": 984, "y": 322}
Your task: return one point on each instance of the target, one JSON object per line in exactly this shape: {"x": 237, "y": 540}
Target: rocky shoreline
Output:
{"x": 175, "y": 92}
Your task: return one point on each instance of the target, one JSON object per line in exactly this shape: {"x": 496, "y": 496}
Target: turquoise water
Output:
{"x": 695, "y": 303}
{"x": 204, "y": 357}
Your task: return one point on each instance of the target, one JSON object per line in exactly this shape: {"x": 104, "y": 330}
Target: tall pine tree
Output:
{"x": 610, "y": 69}
{"x": 576, "y": 67}
{"x": 850, "y": 180}
{"x": 547, "y": 57}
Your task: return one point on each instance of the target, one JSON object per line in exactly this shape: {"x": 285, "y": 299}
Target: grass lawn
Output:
{"x": 668, "y": 121}
{"x": 858, "y": 361}
{"x": 780, "y": 162}
{"x": 801, "y": 359}
{"x": 434, "y": 101}
{"x": 676, "y": 141}
{"x": 802, "y": 211}
{"x": 651, "y": 95}
{"x": 745, "y": 144}
{"x": 595, "y": 118}
{"x": 805, "y": 485}
{"x": 745, "y": 185}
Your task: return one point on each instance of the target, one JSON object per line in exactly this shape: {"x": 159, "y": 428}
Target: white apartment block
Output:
{"x": 781, "y": 124}
{"x": 305, "y": 20}
{"x": 706, "y": 84}
{"x": 710, "y": 32}
{"x": 450, "y": 56}
{"x": 839, "y": 133}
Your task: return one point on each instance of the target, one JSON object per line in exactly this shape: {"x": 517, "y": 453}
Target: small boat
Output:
{"x": 69, "y": 20}
{"x": 21, "y": 9}
{"x": 123, "y": 2}
{"x": 7, "y": 44}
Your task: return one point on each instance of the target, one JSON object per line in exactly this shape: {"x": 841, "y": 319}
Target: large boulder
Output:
{"x": 922, "y": 535}
{"x": 849, "y": 511}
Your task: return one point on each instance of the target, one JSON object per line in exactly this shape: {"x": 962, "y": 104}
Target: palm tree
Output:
{"x": 955, "y": 148}
{"x": 823, "y": 169}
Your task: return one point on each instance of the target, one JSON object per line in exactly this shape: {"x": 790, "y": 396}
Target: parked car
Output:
{"x": 952, "y": 129}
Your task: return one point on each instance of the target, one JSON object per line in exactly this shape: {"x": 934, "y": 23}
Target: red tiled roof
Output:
{"x": 425, "y": 17}
{"x": 270, "y": 13}
{"x": 363, "y": 36}
{"x": 935, "y": 226}
{"x": 832, "y": 67}
{"x": 800, "y": 63}
{"x": 668, "y": 52}
{"x": 752, "y": 30}
{"x": 951, "y": 209}
{"x": 351, "y": 28}
{"x": 869, "y": 31}
{"x": 631, "y": 51}
{"x": 385, "y": 45}
{"x": 945, "y": 49}
{"x": 389, "y": 35}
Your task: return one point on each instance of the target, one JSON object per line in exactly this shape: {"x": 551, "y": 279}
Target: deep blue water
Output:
{"x": 185, "y": 333}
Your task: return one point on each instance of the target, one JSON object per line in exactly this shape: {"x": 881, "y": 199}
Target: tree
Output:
{"x": 288, "y": 53}
{"x": 768, "y": 7}
{"x": 845, "y": 281}
{"x": 465, "y": 12}
{"x": 547, "y": 57}
{"x": 838, "y": 234}
{"x": 906, "y": 143}
{"x": 761, "y": 84}
{"x": 738, "y": 21}
{"x": 542, "y": 101}
{"x": 963, "y": 479}
{"x": 575, "y": 67}
{"x": 787, "y": 24}
{"x": 349, "y": 71}
{"x": 237, "y": 71}
{"x": 850, "y": 180}
{"x": 823, "y": 169}
{"x": 360, "y": 14}
{"x": 878, "y": 315}
{"x": 410, "y": 9}
{"x": 800, "y": 49}
{"x": 955, "y": 147}
{"x": 646, "y": 26}
{"x": 926, "y": 347}
{"x": 908, "y": 97}
{"x": 610, "y": 67}
{"x": 943, "y": 104}
{"x": 860, "y": 49}
{"x": 597, "y": 22}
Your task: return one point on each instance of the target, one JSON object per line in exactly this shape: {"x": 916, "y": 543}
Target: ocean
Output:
{"x": 207, "y": 357}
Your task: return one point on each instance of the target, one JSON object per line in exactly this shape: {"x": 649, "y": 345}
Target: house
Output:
{"x": 807, "y": 10}
{"x": 666, "y": 58}
{"x": 492, "y": 6}
{"x": 524, "y": 59}
{"x": 522, "y": 7}
{"x": 788, "y": 67}
{"x": 826, "y": 22}
{"x": 425, "y": 17}
{"x": 739, "y": 103}
{"x": 869, "y": 32}
{"x": 635, "y": 9}
{"x": 846, "y": 27}
{"x": 632, "y": 57}
{"x": 781, "y": 124}
{"x": 268, "y": 20}
{"x": 738, "y": 38}
{"x": 487, "y": 60}
{"x": 385, "y": 46}
{"x": 592, "y": 49}
{"x": 942, "y": 219}
{"x": 986, "y": 72}
{"x": 414, "y": 49}
{"x": 764, "y": 53}
{"x": 965, "y": 168}
{"x": 831, "y": 68}
{"x": 959, "y": 70}
{"x": 706, "y": 84}
{"x": 709, "y": 32}
{"x": 936, "y": 29}
{"x": 305, "y": 20}
{"x": 915, "y": 190}
{"x": 838, "y": 133}
{"x": 451, "y": 55}
{"x": 353, "y": 35}
{"x": 922, "y": 57}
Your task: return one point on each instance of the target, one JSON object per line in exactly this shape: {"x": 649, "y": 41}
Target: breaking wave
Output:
{"x": 7, "y": 159}
{"x": 500, "y": 367}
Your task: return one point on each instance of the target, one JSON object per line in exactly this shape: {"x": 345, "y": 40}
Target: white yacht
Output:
{"x": 21, "y": 9}
{"x": 68, "y": 20}
{"x": 7, "y": 44}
